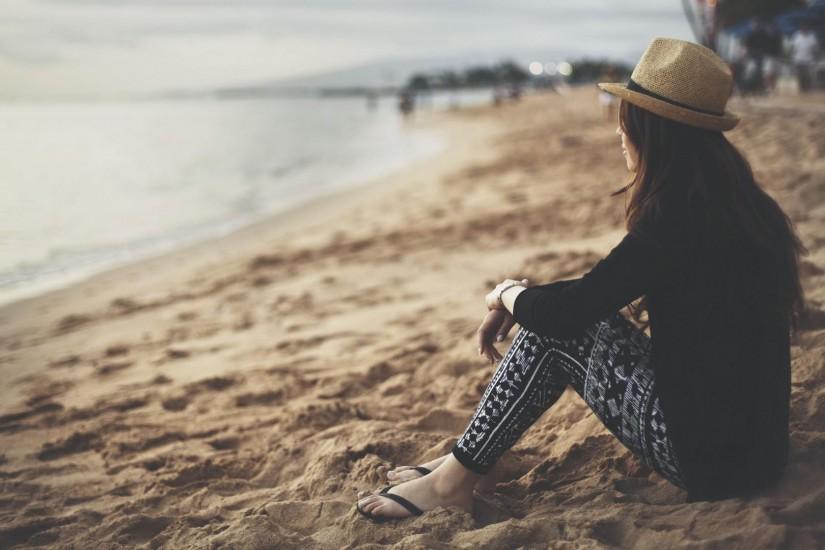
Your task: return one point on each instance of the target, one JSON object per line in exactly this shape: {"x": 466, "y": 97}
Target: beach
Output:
{"x": 238, "y": 392}
{"x": 130, "y": 179}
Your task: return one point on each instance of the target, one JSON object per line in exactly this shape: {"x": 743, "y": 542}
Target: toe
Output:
{"x": 408, "y": 476}
{"x": 380, "y": 510}
{"x": 398, "y": 470}
{"x": 389, "y": 508}
{"x": 364, "y": 494}
{"x": 401, "y": 473}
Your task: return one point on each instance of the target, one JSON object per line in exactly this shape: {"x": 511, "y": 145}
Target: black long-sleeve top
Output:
{"x": 720, "y": 349}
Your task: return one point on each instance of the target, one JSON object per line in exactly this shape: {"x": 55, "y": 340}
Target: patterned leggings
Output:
{"x": 607, "y": 365}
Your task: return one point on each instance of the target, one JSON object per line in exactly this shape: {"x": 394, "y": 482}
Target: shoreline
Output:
{"x": 49, "y": 284}
{"x": 291, "y": 219}
{"x": 173, "y": 269}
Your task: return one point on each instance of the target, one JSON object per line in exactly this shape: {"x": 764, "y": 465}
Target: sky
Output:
{"x": 103, "y": 47}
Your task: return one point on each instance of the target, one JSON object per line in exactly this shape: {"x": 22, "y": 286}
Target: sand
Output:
{"x": 237, "y": 393}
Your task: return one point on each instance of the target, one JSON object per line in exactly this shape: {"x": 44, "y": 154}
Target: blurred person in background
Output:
{"x": 738, "y": 62}
{"x": 757, "y": 44}
{"x": 774, "y": 54}
{"x": 805, "y": 50}
{"x": 406, "y": 102}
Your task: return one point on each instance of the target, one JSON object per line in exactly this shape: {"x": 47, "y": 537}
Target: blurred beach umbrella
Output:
{"x": 708, "y": 17}
{"x": 789, "y": 21}
{"x": 814, "y": 15}
{"x": 735, "y": 15}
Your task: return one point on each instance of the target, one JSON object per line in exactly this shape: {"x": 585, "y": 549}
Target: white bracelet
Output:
{"x": 500, "y": 292}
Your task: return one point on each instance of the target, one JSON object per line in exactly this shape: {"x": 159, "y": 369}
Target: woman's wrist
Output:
{"x": 509, "y": 295}
{"x": 494, "y": 299}
{"x": 504, "y": 288}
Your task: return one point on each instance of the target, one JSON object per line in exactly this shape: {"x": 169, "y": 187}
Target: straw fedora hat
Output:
{"x": 681, "y": 81}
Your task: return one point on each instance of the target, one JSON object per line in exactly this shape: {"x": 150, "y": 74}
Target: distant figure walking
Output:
{"x": 498, "y": 96}
{"x": 738, "y": 64}
{"x": 406, "y": 103}
{"x": 773, "y": 55}
{"x": 757, "y": 44}
{"x": 804, "y": 52}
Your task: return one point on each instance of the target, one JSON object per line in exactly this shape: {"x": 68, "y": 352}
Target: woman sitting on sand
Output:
{"x": 704, "y": 401}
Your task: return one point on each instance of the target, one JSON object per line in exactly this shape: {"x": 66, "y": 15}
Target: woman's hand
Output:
{"x": 491, "y": 300}
{"x": 496, "y": 325}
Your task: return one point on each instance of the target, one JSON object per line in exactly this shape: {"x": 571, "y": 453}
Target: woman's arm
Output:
{"x": 565, "y": 308}
{"x": 513, "y": 292}
{"x": 508, "y": 297}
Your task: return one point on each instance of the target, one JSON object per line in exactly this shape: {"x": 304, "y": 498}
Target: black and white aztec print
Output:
{"x": 607, "y": 365}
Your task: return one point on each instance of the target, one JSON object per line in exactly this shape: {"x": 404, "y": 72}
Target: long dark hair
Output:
{"x": 682, "y": 163}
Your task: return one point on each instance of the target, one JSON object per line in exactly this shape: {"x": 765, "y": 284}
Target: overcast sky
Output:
{"x": 114, "y": 46}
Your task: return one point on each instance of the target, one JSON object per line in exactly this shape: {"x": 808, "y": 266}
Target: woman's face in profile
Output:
{"x": 628, "y": 151}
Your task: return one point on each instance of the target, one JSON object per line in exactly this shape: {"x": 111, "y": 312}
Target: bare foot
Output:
{"x": 450, "y": 484}
{"x": 406, "y": 473}
{"x": 400, "y": 474}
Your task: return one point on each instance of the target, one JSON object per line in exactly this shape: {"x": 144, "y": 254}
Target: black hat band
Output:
{"x": 632, "y": 85}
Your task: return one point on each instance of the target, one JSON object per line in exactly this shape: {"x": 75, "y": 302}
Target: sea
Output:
{"x": 92, "y": 185}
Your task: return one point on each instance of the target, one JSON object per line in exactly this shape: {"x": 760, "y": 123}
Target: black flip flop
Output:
{"x": 415, "y": 510}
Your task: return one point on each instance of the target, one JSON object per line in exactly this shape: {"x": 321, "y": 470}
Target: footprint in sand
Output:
{"x": 187, "y": 315}
{"x": 71, "y": 322}
{"x": 125, "y": 305}
{"x": 177, "y": 353}
{"x": 112, "y": 367}
{"x": 78, "y": 442}
{"x": 116, "y": 350}
{"x": 259, "y": 398}
{"x": 225, "y": 443}
{"x": 175, "y": 403}
{"x": 66, "y": 361}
